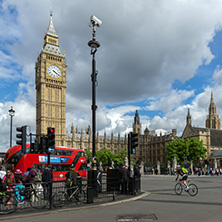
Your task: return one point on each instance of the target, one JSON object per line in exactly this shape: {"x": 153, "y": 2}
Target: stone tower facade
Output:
{"x": 50, "y": 84}
{"x": 137, "y": 125}
{"x": 212, "y": 121}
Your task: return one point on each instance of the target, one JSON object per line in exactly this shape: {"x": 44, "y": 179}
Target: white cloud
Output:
{"x": 145, "y": 47}
{"x": 170, "y": 101}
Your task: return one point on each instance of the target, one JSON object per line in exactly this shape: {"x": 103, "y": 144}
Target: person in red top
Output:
{"x": 9, "y": 180}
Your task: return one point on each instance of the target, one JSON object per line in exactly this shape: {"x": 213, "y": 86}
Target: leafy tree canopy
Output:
{"x": 104, "y": 155}
{"x": 192, "y": 148}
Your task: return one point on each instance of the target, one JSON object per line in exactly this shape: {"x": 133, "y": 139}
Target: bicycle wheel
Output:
{"x": 193, "y": 189}
{"x": 36, "y": 200}
{"x": 82, "y": 195}
{"x": 178, "y": 188}
{"x": 59, "y": 199}
{"x": 8, "y": 204}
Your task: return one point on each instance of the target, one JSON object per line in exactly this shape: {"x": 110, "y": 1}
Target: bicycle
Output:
{"x": 10, "y": 200}
{"x": 33, "y": 197}
{"x": 179, "y": 187}
{"x": 64, "y": 196}
{"x": 7, "y": 202}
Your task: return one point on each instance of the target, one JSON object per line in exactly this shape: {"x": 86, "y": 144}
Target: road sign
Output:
{"x": 185, "y": 160}
{"x": 51, "y": 149}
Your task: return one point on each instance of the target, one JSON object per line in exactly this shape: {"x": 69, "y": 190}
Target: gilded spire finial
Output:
{"x": 51, "y": 29}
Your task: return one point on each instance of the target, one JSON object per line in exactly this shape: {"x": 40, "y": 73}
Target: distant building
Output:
{"x": 151, "y": 147}
{"x": 211, "y": 135}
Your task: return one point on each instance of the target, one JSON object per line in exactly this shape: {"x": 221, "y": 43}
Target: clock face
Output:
{"x": 54, "y": 71}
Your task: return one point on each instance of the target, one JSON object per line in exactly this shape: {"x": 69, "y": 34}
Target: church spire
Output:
{"x": 188, "y": 117}
{"x": 212, "y": 107}
{"x": 212, "y": 120}
{"x": 137, "y": 125}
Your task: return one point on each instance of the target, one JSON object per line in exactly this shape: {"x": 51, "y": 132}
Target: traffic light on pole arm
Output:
{"x": 22, "y": 136}
{"x": 51, "y": 138}
{"x": 134, "y": 142}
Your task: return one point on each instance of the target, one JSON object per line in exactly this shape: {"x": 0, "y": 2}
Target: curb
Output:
{"x": 6, "y": 217}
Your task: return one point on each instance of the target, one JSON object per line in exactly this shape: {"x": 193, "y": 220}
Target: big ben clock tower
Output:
{"x": 50, "y": 82}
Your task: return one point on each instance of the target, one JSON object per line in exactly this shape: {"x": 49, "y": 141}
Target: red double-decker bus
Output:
{"x": 60, "y": 160}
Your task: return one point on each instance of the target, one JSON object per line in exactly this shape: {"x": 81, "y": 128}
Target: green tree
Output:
{"x": 192, "y": 148}
{"x": 196, "y": 149}
{"x": 104, "y": 155}
{"x": 88, "y": 155}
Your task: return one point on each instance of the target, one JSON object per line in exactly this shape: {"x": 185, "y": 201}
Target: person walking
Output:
{"x": 47, "y": 180}
{"x": 8, "y": 181}
{"x": 25, "y": 178}
{"x": 18, "y": 186}
{"x": 124, "y": 177}
{"x": 2, "y": 172}
{"x": 35, "y": 178}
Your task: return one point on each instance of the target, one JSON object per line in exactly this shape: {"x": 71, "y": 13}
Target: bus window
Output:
{"x": 14, "y": 160}
{"x": 82, "y": 166}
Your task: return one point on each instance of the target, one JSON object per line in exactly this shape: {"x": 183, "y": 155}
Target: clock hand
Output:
{"x": 55, "y": 72}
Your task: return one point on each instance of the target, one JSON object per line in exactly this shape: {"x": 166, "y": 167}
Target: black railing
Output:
{"x": 105, "y": 188}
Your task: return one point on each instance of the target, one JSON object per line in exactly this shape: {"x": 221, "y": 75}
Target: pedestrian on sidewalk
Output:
{"x": 47, "y": 180}
{"x": 124, "y": 178}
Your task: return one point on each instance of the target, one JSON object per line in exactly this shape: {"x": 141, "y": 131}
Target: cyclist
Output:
{"x": 71, "y": 182}
{"x": 182, "y": 172}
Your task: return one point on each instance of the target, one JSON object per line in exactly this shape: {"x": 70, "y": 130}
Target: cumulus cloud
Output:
{"x": 170, "y": 101}
{"x": 145, "y": 47}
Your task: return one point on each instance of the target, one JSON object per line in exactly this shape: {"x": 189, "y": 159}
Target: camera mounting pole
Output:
{"x": 93, "y": 44}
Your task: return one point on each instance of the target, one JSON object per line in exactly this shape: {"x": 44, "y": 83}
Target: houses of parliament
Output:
{"x": 50, "y": 84}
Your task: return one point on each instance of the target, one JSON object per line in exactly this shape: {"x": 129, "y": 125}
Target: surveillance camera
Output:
{"x": 95, "y": 20}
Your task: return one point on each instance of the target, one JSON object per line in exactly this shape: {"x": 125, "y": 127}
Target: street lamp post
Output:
{"x": 11, "y": 113}
{"x": 93, "y": 44}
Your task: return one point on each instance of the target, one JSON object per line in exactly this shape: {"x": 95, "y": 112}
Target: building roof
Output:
{"x": 216, "y": 153}
{"x": 215, "y": 135}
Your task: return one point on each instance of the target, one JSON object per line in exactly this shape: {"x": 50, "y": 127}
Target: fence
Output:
{"x": 104, "y": 188}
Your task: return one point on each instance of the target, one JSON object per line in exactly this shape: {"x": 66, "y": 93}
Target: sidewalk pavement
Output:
{"x": 98, "y": 202}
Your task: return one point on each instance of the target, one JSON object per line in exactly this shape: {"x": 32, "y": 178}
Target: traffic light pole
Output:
{"x": 129, "y": 150}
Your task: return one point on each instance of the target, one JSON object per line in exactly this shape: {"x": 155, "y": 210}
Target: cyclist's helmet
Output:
{"x": 178, "y": 166}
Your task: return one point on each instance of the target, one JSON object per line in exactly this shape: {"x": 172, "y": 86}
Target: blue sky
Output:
{"x": 158, "y": 57}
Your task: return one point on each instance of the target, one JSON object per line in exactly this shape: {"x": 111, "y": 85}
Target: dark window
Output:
{"x": 62, "y": 152}
{"x": 14, "y": 159}
{"x": 82, "y": 167}
{"x": 78, "y": 155}
{"x": 55, "y": 167}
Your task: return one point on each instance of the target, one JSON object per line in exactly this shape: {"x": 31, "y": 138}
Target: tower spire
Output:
{"x": 51, "y": 28}
{"x": 212, "y": 120}
{"x": 188, "y": 117}
{"x": 137, "y": 125}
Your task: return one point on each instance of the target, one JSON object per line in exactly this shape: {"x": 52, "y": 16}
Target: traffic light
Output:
{"x": 51, "y": 138}
{"x": 134, "y": 140}
{"x": 43, "y": 144}
{"x": 34, "y": 148}
{"x": 22, "y": 136}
